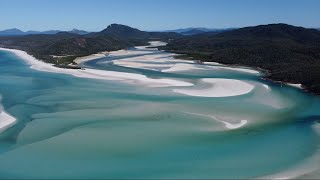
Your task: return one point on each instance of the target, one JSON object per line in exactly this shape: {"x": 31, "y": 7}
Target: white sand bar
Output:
{"x": 299, "y": 86}
{"x": 228, "y": 125}
{"x": 80, "y": 60}
{"x": 128, "y": 77}
{"x": 245, "y": 70}
{"x": 6, "y": 120}
{"x": 153, "y": 44}
{"x": 97, "y": 74}
{"x": 153, "y": 61}
{"x": 218, "y": 88}
{"x": 184, "y": 67}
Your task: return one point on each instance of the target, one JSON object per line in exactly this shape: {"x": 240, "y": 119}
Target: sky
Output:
{"x": 155, "y": 15}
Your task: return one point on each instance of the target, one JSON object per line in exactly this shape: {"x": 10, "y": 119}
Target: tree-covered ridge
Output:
{"x": 52, "y": 48}
{"x": 126, "y": 32}
{"x": 291, "y": 54}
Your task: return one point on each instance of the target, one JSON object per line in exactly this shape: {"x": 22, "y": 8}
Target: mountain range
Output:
{"x": 18, "y": 32}
{"x": 68, "y": 45}
{"x": 199, "y": 30}
{"x": 186, "y": 31}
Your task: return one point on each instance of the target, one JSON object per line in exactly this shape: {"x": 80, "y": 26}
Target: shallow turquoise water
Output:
{"x": 70, "y": 127}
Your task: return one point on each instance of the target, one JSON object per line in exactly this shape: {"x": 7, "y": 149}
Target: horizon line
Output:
{"x": 158, "y": 30}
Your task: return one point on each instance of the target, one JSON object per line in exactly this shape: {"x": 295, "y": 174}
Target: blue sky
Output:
{"x": 95, "y": 15}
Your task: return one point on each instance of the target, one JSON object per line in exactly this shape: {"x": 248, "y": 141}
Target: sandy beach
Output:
{"x": 165, "y": 62}
{"x": 97, "y": 74}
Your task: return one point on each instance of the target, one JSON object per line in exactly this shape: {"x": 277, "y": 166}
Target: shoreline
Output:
{"x": 266, "y": 73}
{"x": 97, "y": 74}
{"x": 133, "y": 78}
{"x": 79, "y": 60}
{"x": 260, "y": 70}
{"x": 129, "y": 77}
{"x": 10, "y": 121}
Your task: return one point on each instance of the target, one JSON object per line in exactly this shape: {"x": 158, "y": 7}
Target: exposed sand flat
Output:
{"x": 156, "y": 61}
{"x": 149, "y": 66}
{"x": 247, "y": 70}
{"x": 154, "y": 58}
{"x": 157, "y": 43}
{"x": 184, "y": 67}
{"x": 218, "y": 88}
{"x": 155, "y": 64}
{"x": 228, "y": 125}
{"x": 251, "y": 71}
{"x": 172, "y": 65}
{"x": 295, "y": 85}
{"x": 153, "y": 45}
{"x": 128, "y": 52}
{"x": 128, "y": 77}
{"x": 120, "y": 52}
{"x": 211, "y": 63}
{"x": 266, "y": 87}
{"x": 54, "y": 56}
{"x": 97, "y": 74}
{"x": 149, "y": 57}
{"x": 80, "y": 60}
{"x": 6, "y": 120}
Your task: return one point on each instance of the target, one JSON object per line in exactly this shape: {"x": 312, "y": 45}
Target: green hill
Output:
{"x": 49, "y": 47}
{"x": 126, "y": 32}
{"x": 291, "y": 54}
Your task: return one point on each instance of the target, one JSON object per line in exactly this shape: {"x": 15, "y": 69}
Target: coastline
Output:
{"x": 133, "y": 78}
{"x": 227, "y": 125}
{"x": 129, "y": 77}
{"x": 96, "y": 74}
{"x": 260, "y": 70}
{"x": 254, "y": 68}
{"x": 214, "y": 87}
{"x": 153, "y": 45}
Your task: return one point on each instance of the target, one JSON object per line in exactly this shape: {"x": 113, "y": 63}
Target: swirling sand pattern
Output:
{"x": 123, "y": 127}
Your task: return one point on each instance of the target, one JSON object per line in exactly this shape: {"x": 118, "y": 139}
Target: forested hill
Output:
{"x": 64, "y": 47}
{"x": 291, "y": 54}
{"x": 126, "y": 32}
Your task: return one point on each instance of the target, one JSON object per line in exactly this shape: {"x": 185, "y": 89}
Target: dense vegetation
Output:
{"x": 128, "y": 33}
{"x": 291, "y": 54}
{"x": 62, "y": 48}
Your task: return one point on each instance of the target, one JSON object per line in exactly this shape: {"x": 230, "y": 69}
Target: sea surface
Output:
{"x": 70, "y": 127}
